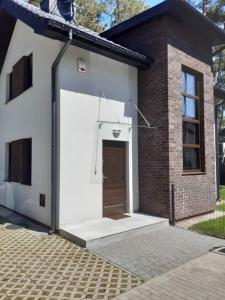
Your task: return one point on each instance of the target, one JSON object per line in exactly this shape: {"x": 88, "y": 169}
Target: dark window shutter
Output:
{"x": 27, "y": 161}
{"x": 21, "y": 76}
{"x": 10, "y": 86}
{"x": 20, "y": 161}
{"x": 27, "y": 72}
{"x": 16, "y": 161}
{"x": 18, "y": 78}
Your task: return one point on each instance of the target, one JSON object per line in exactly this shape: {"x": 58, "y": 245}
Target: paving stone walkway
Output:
{"x": 156, "y": 249}
{"x": 200, "y": 279}
{"x": 34, "y": 265}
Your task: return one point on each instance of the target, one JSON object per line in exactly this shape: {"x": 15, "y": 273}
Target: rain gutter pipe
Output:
{"x": 54, "y": 150}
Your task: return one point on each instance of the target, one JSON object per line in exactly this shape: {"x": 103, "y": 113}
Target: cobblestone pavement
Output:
{"x": 156, "y": 249}
{"x": 200, "y": 279}
{"x": 34, "y": 265}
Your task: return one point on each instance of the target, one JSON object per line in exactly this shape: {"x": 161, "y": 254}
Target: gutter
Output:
{"x": 107, "y": 48}
{"x": 54, "y": 150}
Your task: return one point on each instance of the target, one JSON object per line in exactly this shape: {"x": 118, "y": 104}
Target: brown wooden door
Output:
{"x": 114, "y": 178}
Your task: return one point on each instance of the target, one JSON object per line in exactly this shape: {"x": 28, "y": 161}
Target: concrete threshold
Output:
{"x": 87, "y": 233}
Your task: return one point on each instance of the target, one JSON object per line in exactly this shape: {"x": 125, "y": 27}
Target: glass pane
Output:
{"x": 183, "y": 107}
{"x": 191, "y": 109}
{"x": 190, "y": 133}
{"x": 221, "y": 151}
{"x": 190, "y": 84}
{"x": 183, "y": 82}
{"x": 191, "y": 158}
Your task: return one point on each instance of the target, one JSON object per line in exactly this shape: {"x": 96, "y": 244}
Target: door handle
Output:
{"x": 104, "y": 178}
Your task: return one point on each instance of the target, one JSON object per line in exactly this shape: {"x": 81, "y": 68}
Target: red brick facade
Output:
{"x": 171, "y": 45}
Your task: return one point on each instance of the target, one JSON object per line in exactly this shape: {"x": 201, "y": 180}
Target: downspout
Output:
{"x": 54, "y": 150}
{"x": 217, "y": 152}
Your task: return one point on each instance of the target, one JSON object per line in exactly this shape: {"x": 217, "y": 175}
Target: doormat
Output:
{"x": 117, "y": 217}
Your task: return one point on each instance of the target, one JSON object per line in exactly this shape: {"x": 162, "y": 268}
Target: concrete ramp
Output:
{"x": 88, "y": 233}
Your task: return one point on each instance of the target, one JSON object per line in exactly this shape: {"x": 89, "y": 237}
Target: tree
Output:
{"x": 202, "y": 5}
{"x": 215, "y": 10}
{"x": 34, "y": 2}
{"x": 93, "y": 13}
{"x": 89, "y": 13}
{"x": 120, "y": 10}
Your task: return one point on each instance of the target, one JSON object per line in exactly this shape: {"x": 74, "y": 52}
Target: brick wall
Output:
{"x": 160, "y": 150}
{"x": 195, "y": 194}
{"x": 150, "y": 39}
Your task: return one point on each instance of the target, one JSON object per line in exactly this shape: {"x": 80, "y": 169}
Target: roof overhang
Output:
{"x": 56, "y": 30}
{"x": 10, "y": 11}
{"x": 178, "y": 9}
{"x": 7, "y": 24}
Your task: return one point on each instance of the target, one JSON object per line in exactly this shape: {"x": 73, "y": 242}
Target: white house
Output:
{"x": 75, "y": 146}
{"x": 76, "y": 141}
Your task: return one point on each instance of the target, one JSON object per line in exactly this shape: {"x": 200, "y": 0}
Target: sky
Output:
{"x": 154, "y": 2}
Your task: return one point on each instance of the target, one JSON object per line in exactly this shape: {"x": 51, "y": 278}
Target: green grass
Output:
{"x": 220, "y": 207}
{"x": 222, "y": 192}
{"x": 215, "y": 227}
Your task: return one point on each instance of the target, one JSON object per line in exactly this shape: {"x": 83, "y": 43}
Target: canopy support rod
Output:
{"x": 143, "y": 117}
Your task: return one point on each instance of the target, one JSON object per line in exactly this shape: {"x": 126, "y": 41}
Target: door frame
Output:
{"x": 126, "y": 147}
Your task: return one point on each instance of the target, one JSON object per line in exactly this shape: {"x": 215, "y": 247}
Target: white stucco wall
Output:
{"x": 80, "y": 140}
{"x": 80, "y": 194}
{"x": 28, "y": 115}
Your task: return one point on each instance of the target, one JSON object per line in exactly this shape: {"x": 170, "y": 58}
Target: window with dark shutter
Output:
{"x": 20, "y": 161}
{"x": 20, "y": 79}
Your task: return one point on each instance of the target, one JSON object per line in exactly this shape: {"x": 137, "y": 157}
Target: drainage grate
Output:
{"x": 220, "y": 250}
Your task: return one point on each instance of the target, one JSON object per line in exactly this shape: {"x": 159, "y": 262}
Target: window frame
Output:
{"x": 199, "y": 120}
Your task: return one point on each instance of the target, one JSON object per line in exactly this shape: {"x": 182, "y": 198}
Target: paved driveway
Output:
{"x": 200, "y": 279}
{"x": 156, "y": 249}
{"x": 34, "y": 265}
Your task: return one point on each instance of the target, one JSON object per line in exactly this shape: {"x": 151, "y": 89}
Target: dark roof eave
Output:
{"x": 155, "y": 11}
{"x": 35, "y": 22}
{"x": 93, "y": 43}
{"x": 176, "y": 8}
{"x": 82, "y": 39}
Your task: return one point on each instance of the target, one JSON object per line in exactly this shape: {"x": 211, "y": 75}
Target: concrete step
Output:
{"x": 97, "y": 231}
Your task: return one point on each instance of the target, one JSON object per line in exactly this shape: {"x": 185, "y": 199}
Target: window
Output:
{"x": 20, "y": 161}
{"x": 20, "y": 79}
{"x": 192, "y": 108}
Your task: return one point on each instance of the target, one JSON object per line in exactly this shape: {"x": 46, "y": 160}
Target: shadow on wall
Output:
{"x": 103, "y": 76}
{"x": 17, "y": 197}
{"x": 6, "y": 195}
{"x": 13, "y": 221}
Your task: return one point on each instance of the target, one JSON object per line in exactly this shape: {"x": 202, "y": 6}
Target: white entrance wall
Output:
{"x": 28, "y": 116}
{"x": 81, "y": 105}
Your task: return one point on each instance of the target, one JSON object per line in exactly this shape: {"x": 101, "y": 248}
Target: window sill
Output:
{"x": 24, "y": 184}
{"x": 193, "y": 173}
{"x": 10, "y": 100}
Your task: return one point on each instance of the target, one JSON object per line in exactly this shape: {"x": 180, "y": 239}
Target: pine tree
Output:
{"x": 215, "y": 10}
{"x": 120, "y": 10}
{"x": 89, "y": 13}
{"x": 34, "y": 2}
